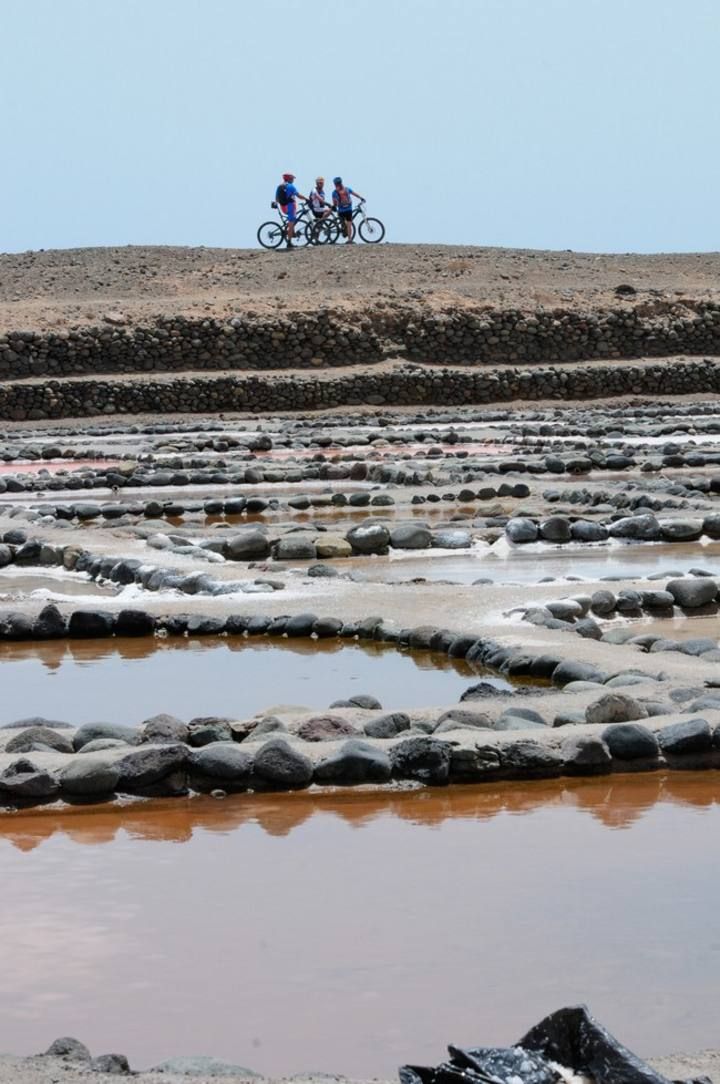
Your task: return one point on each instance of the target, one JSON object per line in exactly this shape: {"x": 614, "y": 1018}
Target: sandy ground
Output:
{"x": 56, "y": 1071}
{"x": 62, "y": 288}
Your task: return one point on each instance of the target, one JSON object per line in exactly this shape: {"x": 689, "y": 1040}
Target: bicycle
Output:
{"x": 273, "y": 234}
{"x": 327, "y": 231}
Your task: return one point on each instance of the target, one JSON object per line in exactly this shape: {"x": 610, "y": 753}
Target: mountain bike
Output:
{"x": 327, "y": 231}
{"x": 274, "y": 234}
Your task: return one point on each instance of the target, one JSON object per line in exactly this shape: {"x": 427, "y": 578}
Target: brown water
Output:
{"x": 350, "y": 932}
{"x": 127, "y": 679}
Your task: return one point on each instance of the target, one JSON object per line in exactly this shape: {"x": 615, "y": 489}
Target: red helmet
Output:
{"x": 288, "y": 176}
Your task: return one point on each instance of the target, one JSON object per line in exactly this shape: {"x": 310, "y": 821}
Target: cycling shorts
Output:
{"x": 290, "y": 210}
{"x": 345, "y": 212}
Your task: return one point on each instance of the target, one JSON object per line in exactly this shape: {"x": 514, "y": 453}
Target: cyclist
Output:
{"x": 318, "y": 204}
{"x": 342, "y": 201}
{"x": 287, "y": 196}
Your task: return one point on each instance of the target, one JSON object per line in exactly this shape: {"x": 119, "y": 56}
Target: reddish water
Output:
{"x": 350, "y": 932}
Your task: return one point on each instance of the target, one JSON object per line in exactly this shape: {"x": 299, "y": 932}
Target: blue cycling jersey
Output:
{"x": 342, "y": 199}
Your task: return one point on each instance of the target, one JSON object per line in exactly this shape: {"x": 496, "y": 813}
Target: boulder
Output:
{"x": 411, "y": 537}
{"x": 111, "y": 1064}
{"x": 23, "y": 779}
{"x": 566, "y": 609}
{"x": 332, "y": 545}
{"x": 295, "y": 548}
{"x": 69, "y": 1048}
{"x": 90, "y": 777}
{"x": 584, "y": 530}
{"x": 134, "y": 623}
{"x": 630, "y": 741}
{"x": 423, "y": 759}
{"x": 249, "y": 545}
{"x": 27, "y": 740}
{"x": 452, "y": 539}
{"x": 325, "y": 728}
{"x": 556, "y": 529}
{"x": 90, "y": 731}
{"x": 529, "y": 759}
{"x": 278, "y": 765}
{"x": 521, "y": 530}
{"x": 602, "y": 602}
{"x": 150, "y": 765}
{"x": 473, "y": 765}
{"x": 692, "y": 592}
{"x": 355, "y": 762}
{"x": 573, "y": 670}
{"x": 161, "y": 729}
{"x": 584, "y": 754}
{"x": 90, "y": 624}
{"x": 300, "y": 625}
{"x": 387, "y": 726}
{"x": 49, "y": 624}
{"x": 679, "y": 739}
{"x": 222, "y": 764}
{"x": 614, "y": 708}
{"x": 642, "y": 528}
{"x": 681, "y": 530}
{"x": 202, "y": 1066}
{"x": 208, "y": 729}
{"x": 369, "y": 538}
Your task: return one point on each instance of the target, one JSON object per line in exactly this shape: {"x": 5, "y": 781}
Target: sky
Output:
{"x": 568, "y": 124}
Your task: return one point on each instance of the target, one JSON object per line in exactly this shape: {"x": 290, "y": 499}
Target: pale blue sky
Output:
{"x": 584, "y": 124}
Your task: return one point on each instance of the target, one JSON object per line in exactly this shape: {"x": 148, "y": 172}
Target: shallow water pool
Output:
{"x": 352, "y": 932}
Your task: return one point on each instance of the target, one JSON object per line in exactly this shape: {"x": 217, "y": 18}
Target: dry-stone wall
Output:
{"x": 401, "y": 386}
{"x": 333, "y": 338}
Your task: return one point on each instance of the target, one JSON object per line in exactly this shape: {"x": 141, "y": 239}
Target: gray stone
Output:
{"x": 472, "y": 765}
{"x": 89, "y": 777}
{"x": 69, "y": 1048}
{"x": 164, "y": 728}
{"x": 556, "y": 529}
{"x": 521, "y": 530}
{"x": 250, "y": 545}
{"x": 150, "y": 765}
{"x": 387, "y": 726}
{"x": 369, "y": 538}
{"x": 39, "y": 735}
{"x": 296, "y": 548}
{"x": 692, "y": 593}
{"x": 614, "y": 708}
{"x": 278, "y": 764}
{"x": 326, "y": 728}
{"x": 691, "y": 736}
{"x": 411, "y": 537}
{"x": 355, "y": 762}
{"x": 531, "y": 760}
{"x": 585, "y": 754}
{"x": 112, "y": 1064}
{"x": 642, "y": 528}
{"x": 208, "y": 729}
{"x": 573, "y": 670}
{"x": 222, "y": 764}
{"x": 584, "y": 530}
{"x": 90, "y": 731}
{"x": 201, "y": 1066}
{"x": 423, "y": 759}
{"x": 23, "y": 779}
{"x": 681, "y": 530}
{"x": 630, "y": 741}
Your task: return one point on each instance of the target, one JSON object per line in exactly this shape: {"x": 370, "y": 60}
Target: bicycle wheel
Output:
{"x": 271, "y": 235}
{"x": 326, "y": 231}
{"x": 303, "y": 231}
{"x": 371, "y": 230}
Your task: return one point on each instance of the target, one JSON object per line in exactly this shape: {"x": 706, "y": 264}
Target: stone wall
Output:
{"x": 401, "y": 386}
{"x": 336, "y": 338}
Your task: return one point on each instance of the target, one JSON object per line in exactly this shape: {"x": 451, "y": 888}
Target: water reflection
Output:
{"x": 616, "y": 801}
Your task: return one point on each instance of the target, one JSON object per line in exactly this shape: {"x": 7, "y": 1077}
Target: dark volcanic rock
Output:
{"x": 326, "y": 728}
{"x": 630, "y": 741}
{"x": 423, "y": 759}
{"x": 355, "y": 762}
{"x": 90, "y": 776}
{"x": 691, "y": 593}
{"x": 691, "y": 736}
{"x": 278, "y": 764}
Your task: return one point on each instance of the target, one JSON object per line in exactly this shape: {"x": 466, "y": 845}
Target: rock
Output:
{"x": 387, "y": 726}
{"x": 480, "y": 690}
{"x": 113, "y": 1064}
{"x": 39, "y": 735}
{"x": 521, "y": 530}
{"x": 423, "y": 759}
{"x": 643, "y": 528}
{"x": 22, "y": 779}
{"x": 529, "y": 759}
{"x": 355, "y": 762}
{"x": 681, "y": 530}
{"x": 90, "y": 777}
{"x": 90, "y": 731}
{"x": 452, "y": 539}
{"x": 411, "y": 537}
{"x": 556, "y": 529}
{"x": 269, "y": 725}
{"x": 614, "y": 708}
{"x": 327, "y": 627}
{"x": 250, "y": 545}
{"x": 37, "y": 720}
{"x": 584, "y": 530}
{"x": 90, "y": 624}
{"x": 295, "y": 548}
{"x": 472, "y": 765}
{"x": 630, "y": 741}
{"x": 572, "y": 670}
{"x": 49, "y": 624}
{"x": 509, "y": 721}
{"x": 160, "y": 729}
{"x": 278, "y": 765}
{"x": 585, "y": 754}
{"x": 588, "y": 629}
{"x": 678, "y": 739}
{"x": 222, "y": 763}
{"x": 566, "y": 609}
{"x": 148, "y": 766}
{"x": 208, "y": 729}
{"x": 300, "y": 625}
{"x": 656, "y": 600}
{"x": 99, "y": 745}
{"x": 134, "y": 623}
{"x": 692, "y": 593}
{"x": 698, "y": 646}
{"x": 69, "y": 1048}
{"x": 325, "y": 728}
{"x": 372, "y": 538}
{"x": 332, "y": 545}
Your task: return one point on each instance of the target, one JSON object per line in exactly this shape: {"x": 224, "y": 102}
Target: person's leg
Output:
{"x": 290, "y": 232}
